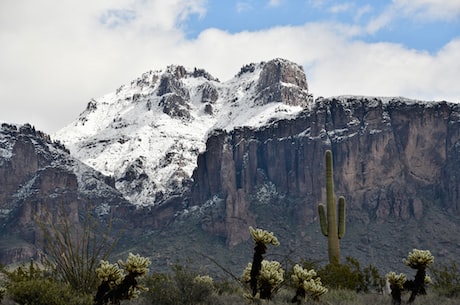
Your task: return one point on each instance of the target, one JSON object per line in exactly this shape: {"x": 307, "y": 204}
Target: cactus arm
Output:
{"x": 341, "y": 217}
{"x": 322, "y": 219}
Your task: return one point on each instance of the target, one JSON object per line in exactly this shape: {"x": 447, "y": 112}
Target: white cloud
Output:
{"x": 243, "y": 6}
{"x": 361, "y": 11}
{"x": 431, "y": 9}
{"x": 274, "y": 3}
{"x": 417, "y": 10}
{"x": 55, "y": 56}
{"x": 340, "y": 8}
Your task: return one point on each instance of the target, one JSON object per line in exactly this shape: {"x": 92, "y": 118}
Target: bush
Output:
{"x": 33, "y": 285}
{"x": 46, "y": 292}
{"x": 75, "y": 252}
{"x": 446, "y": 279}
{"x": 350, "y": 276}
{"x": 183, "y": 286}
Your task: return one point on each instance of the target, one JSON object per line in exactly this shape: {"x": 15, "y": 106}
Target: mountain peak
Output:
{"x": 148, "y": 134}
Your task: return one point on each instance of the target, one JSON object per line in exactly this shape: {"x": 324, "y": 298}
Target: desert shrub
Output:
{"x": 75, "y": 252}
{"x": 33, "y": 285}
{"x": 446, "y": 279}
{"x": 350, "y": 275}
{"x": 182, "y": 286}
{"x": 46, "y": 292}
{"x": 2, "y": 293}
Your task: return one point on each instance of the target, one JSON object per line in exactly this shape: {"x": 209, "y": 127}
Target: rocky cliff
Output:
{"x": 40, "y": 181}
{"x": 186, "y": 161}
{"x": 394, "y": 159}
{"x": 147, "y": 135}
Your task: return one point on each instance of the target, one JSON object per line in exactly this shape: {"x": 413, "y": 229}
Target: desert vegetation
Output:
{"x": 270, "y": 282}
{"x": 77, "y": 270}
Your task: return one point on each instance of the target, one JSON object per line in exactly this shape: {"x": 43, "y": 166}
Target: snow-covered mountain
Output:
{"x": 148, "y": 134}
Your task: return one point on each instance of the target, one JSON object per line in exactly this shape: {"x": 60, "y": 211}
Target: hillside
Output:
{"x": 187, "y": 163}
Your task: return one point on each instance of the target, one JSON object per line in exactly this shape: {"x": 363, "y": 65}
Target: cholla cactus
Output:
{"x": 396, "y": 279}
{"x": 427, "y": 280}
{"x": 314, "y": 288}
{"x": 264, "y": 237}
{"x": 205, "y": 279}
{"x": 261, "y": 239}
{"x": 397, "y": 284}
{"x": 306, "y": 283}
{"x": 135, "y": 264}
{"x": 109, "y": 273}
{"x": 270, "y": 277}
{"x": 115, "y": 285}
{"x": 247, "y": 273}
{"x": 418, "y": 258}
{"x": 300, "y": 274}
{"x": 2, "y": 293}
{"x": 272, "y": 273}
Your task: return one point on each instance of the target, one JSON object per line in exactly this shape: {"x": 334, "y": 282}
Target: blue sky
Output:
{"x": 419, "y": 33}
{"x": 57, "y": 55}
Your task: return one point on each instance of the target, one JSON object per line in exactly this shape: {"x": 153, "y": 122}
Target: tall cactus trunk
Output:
{"x": 329, "y": 226}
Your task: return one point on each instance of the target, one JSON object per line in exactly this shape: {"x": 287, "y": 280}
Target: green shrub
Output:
{"x": 349, "y": 275}
{"x": 2, "y": 293}
{"x": 75, "y": 251}
{"x": 33, "y": 285}
{"x": 46, "y": 292}
{"x": 446, "y": 279}
{"x": 183, "y": 286}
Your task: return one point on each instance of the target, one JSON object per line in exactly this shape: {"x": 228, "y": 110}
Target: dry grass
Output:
{"x": 333, "y": 297}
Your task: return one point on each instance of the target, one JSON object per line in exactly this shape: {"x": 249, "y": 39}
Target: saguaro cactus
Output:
{"x": 329, "y": 226}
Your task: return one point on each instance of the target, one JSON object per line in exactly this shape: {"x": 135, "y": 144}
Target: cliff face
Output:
{"x": 393, "y": 159}
{"x": 41, "y": 182}
{"x": 174, "y": 145}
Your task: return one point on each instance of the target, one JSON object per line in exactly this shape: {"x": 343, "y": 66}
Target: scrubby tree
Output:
{"x": 183, "y": 286}
{"x": 74, "y": 251}
{"x": 446, "y": 279}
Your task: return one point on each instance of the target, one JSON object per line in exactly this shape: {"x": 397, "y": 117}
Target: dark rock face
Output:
{"x": 209, "y": 93}
{"x": 39, "y": 182}
{"x": 392, "y": 160}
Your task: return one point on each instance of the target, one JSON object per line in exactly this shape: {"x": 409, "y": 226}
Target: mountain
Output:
{"x": 395, "y": 161}
{"x": 188, "y": 163}
{"x": 39, "y": 179}
{"x": 148, "y": 134}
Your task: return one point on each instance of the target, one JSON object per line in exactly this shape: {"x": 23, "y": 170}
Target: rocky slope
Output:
{"x": 39, "y": 179}
{"x": 395, "y": 160}
{"x": 200, "y": 160}
{"x": 148, "y": 134}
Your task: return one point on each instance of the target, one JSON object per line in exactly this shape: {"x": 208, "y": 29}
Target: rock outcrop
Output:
{"x": 190, "y": 152}
{"x": 41, "y": 182}
{"x": 393, "y": 159}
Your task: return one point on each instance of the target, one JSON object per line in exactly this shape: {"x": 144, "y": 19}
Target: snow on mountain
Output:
{"x": 148, "y": 134}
